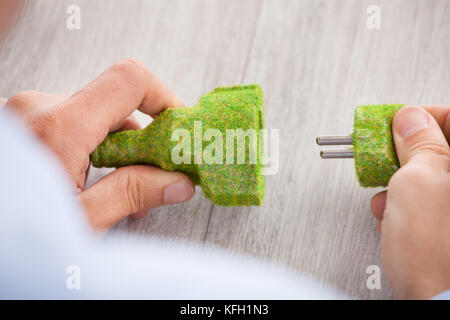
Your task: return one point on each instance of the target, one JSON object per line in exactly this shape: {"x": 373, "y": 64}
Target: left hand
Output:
{"x": 74, "y": 125}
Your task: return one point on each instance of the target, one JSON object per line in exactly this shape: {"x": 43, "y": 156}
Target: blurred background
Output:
{"x": 315, "y": 60}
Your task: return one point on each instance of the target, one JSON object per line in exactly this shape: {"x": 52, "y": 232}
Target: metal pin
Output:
{"x": 336, "y": 154}
{"x": 334, "y": 140}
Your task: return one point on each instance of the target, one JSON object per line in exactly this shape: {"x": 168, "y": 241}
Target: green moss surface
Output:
{"x": 373, "y": 145}
{"x": 238, "y": 107}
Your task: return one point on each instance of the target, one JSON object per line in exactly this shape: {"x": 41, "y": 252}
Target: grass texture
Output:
{"x": 374, "y": 151}
{"x": 225, "y": 183}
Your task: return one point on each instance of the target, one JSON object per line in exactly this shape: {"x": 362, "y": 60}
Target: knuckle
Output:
{"x": 412, "y": 175}
{"x": 132, "y": 190}
{"x": 135, "y": 62}
{"x": 430, "y": 146}
{"x": 129, "y": 73}
{"x": 22, "y": 98}
{"x": 427, "y": 146}
{"x": 44, "y": 124}
{"x": 129, "y": 67}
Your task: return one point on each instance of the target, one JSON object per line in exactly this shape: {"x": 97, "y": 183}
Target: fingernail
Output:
{"x": 178, "y": 192}
{"x": 411, "y": 120}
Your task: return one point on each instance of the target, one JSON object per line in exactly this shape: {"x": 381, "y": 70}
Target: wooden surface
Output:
{"x": 315, "y": 60}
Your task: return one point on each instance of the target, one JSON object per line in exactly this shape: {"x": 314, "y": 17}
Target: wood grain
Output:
{"x": 315, "y": 61}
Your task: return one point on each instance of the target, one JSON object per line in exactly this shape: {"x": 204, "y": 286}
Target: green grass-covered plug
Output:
{"x": 373, "y": 145}
{"x": 217, "y": 143}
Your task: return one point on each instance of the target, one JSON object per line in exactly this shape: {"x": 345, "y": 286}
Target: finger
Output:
{"x": 418, "y": 138}
{"x": 378, "y": 204}
{"x": 379, "y": 226}
{"x": 129, "y": 123}
{"x": 30, "y": 101}
{"x": 441, "y": 113}
{"x": 133, "y": 189}
{"x": 139, "y": 215}
{"x": 3, "y": 102}
{"x": 126, "y": 86}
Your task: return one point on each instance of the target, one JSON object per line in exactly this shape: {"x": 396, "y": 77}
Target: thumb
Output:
{"x": 133, "y": 189}
{"x": 419, "y": 139}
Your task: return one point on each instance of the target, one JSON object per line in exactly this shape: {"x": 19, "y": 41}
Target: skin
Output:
{"x": 414, "y": 211}
{"x": 9, "y": 12}
{"x": 74, "y": 125}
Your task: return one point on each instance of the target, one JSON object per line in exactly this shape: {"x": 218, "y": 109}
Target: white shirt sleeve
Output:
{"x": 47, "y": 249}
{"x": 442, "y": 296}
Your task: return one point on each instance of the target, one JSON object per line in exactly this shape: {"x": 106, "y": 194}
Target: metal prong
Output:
{"x": 336, "y": 154}
{"x": 334, "y": 140}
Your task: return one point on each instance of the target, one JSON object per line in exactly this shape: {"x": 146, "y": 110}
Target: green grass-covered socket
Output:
{"x": 373, "y": 146}
{"x": 224, "y": 179}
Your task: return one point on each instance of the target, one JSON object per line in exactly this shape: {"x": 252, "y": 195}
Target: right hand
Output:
{"x": 414, "y": 212}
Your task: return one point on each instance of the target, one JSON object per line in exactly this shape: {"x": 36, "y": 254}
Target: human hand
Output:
{"x": 74, "y": 125}
{"x": 414, "y": 212}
